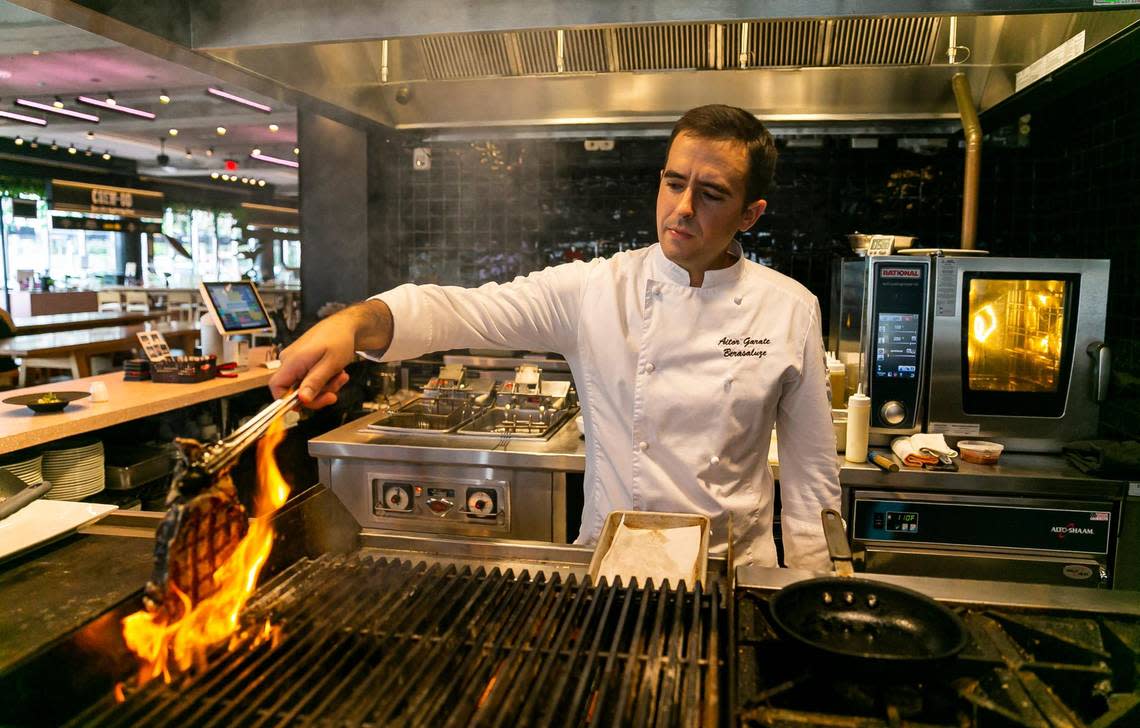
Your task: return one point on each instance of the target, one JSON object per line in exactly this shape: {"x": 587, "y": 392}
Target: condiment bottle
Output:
{"x": 837, "y": 376}
{"x": 858, "y": 425}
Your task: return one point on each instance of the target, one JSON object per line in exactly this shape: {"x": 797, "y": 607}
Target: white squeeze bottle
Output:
{"x": 858, "y": 424}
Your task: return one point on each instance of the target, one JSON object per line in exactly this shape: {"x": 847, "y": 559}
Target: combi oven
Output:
{"x": 1004, "y": 348}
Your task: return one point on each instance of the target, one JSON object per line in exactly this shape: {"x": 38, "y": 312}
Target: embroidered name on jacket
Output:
{"x": 747, "y": 346}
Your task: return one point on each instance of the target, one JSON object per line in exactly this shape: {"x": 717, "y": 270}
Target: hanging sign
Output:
{"x": 125, "y": 225}
{"x": 103, "y": 199}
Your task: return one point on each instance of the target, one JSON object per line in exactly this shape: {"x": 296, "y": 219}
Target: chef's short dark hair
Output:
{"x": 729, "y": 123}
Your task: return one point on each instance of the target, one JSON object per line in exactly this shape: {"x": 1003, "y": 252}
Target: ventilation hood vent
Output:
{"x": 683, "y": 47}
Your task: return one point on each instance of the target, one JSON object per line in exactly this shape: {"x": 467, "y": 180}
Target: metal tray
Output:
{"x": 650, "y": 519}
{"x": 129, "y": 467}
{"x": 427, "y": 416}
{"x": 521, "y": 423}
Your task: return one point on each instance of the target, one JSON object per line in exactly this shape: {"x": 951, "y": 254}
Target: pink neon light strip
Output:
{"x": 238, "y": 99}
{"x": 276, "y": 160}
{"x": 115, "y": 107}
{"x": 52, "y": 109}
{"x": 25, "y": 119}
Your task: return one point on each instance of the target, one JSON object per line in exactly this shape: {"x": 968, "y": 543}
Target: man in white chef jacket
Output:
{"x": 684, "y": 354}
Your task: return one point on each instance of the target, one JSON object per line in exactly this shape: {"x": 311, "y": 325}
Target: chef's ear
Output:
{"x": 752, "y": 213}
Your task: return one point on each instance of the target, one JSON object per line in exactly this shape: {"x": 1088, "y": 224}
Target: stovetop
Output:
{"x": 1020, "y": 668}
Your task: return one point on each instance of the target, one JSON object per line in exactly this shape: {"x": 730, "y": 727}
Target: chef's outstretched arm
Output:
{"x": 315, "y": 363}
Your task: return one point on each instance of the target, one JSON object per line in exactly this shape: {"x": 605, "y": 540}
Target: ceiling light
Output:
{"x": 57, "y": 110}
{"x": 226, "y": 177}
{"x": 209, "y": 151}
{"x": 245, "y": 179}
{"x": 275, "y": 160}
{"x": 256, "y": 150}
{"x": 58, "y": 103}
{"x": 88, "y": 153}
{"x": 90, "y": 135}
{"x": 260, "y": 183}
{"x": 214, "y": 175}
{"x": 110, "y": 104}
{"x": 188, "y": 154}
{"x": 54, "y": 146}
{"x": 111, "y": 100}
{"x": 23, "y": 117}
{"x": 35, "y": 53}
{"x": 35, "y": 143}
{"x": 296, "y": 150}
{"x": 173, "y": 132}
{"x": 221, "y": 131}
{"x": 107, "y": 156}
{"x": 274, "y": 127}
{"x": 71, "y": 149}
{"x": 238, "y": 99}
{"x": 163, "y": 98}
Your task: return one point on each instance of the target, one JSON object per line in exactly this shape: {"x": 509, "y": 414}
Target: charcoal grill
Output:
{"x": 375, "y": 633}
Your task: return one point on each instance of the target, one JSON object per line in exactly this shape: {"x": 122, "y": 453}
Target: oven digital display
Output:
{"x": 896, "y": 345}
{"x": 902, "y": 521}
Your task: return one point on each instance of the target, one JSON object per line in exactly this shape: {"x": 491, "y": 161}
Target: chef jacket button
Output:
{"x": 649, "y": 368}
{"x": 737, "y": 300}
{"x": 643, "y": 446}
{"x": 714, "y": 460}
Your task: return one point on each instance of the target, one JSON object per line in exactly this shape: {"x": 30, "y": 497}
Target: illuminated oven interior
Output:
{"x": 1015, "y": 334}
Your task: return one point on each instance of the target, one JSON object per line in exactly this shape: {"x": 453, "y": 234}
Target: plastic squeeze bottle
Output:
{"x": 858, "y": 425}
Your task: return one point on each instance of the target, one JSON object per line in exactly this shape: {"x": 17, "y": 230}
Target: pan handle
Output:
{"x": 837, "y": 547}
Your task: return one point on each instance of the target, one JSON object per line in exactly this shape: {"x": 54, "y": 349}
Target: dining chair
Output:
{"x": 110, "y": 300}
{"x": 137, "y": 302}
{"x": 180, "y": 306}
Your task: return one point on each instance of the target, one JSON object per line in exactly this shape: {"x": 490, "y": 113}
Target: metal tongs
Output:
{"x": 218, "y": 456}
{"x": 945, "y": 461}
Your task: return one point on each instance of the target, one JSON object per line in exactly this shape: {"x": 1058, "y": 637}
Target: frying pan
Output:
{"x": 862, "y": 625}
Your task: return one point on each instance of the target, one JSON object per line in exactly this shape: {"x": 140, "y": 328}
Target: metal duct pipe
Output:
{"x": 972, "y": 129}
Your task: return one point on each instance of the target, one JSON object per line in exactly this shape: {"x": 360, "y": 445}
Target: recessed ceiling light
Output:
{"x": 90, "y": 135}
{"x": 296, "y": 150}
{"x": 245, "y": 179}
{"x": 260, "y": 183}
{"x": 214, "y": 175}
{"x": 226, "y": 177}
{"x": 221, "y": 131}
{"x": 173, "y": 132}
{"x": 256, "y": 150}
{"x": 188, "y": 154}
{"x": 163, "y": 98}
{"x": 273, "y": 127}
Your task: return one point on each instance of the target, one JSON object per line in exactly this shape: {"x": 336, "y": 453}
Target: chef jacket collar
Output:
{"x": 713, "y": 278}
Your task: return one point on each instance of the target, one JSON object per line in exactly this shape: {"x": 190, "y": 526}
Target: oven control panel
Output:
{"x": 429, "y": 500}
{"x": 900, "y": 292}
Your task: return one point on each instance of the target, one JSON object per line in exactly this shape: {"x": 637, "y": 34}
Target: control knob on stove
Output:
{"x": 397, "y": 498}
{"x": 893, "y": 412}
{"x": 481, "y": 502}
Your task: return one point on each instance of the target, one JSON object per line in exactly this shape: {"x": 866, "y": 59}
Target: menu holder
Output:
{"x": 154, "y": 345}
{"x": 184, "y": 369}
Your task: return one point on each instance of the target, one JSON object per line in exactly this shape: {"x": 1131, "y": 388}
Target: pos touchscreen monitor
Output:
{"x": 236, "y": 307}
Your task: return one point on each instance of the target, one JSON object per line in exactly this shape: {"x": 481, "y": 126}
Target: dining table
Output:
{"x": 74, "y": 350}
{"x": 50, "y": 323}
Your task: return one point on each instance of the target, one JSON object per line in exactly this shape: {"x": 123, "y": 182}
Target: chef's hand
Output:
{"x": 315, "y": 362}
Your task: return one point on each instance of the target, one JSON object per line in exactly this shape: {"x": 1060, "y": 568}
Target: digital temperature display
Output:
{"x": 902, "y": 521}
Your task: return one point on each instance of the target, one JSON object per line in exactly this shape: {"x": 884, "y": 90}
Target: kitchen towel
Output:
{"x": 909, "y": 450}
{"x": 1105, "y": 457}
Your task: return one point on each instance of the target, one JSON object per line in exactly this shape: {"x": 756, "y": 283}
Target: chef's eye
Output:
{"x": 713, "y": 196}
{"x": 674, "y": 186}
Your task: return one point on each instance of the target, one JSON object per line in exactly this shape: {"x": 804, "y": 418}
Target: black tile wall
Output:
{"x": 1065, "y": 184}
{"x": 491, "y": 210}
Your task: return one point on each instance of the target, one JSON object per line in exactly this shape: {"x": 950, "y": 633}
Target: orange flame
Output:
{"x": 166, "y": 648}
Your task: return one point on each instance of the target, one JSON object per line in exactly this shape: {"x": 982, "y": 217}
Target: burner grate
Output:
{"x": 380, "y": 642}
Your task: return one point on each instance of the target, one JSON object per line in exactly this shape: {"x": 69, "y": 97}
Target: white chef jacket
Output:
{"x": 679, "y": 386}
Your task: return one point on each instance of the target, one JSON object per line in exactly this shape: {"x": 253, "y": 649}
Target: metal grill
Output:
{"x": 663, "y": 47}
{"x": 775, "y": 43}
{"x": 382, "y": 642}
{"x": 883, "y": 41}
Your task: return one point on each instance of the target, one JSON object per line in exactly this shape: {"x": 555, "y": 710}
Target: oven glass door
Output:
{"x": 1018, "y": 334}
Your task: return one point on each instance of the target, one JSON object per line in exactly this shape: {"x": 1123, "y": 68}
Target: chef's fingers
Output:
{"x": 328, "y": 395}
{"x": 318, "y": 377}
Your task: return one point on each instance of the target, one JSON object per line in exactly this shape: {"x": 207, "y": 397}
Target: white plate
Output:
{"x": 45, "y": 520}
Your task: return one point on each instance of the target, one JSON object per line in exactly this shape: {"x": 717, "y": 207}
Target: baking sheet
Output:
{"x": 653, "y": 553}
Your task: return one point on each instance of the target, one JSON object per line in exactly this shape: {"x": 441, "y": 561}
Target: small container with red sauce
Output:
{"x": 981, "y": 452}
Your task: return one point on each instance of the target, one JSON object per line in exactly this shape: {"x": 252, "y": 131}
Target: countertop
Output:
{"x": 21, "y": 428}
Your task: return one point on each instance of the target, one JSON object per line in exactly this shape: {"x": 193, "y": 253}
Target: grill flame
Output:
{"x": 167, "y": 648}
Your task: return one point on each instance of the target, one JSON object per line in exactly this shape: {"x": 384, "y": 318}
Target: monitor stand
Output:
{"x": 227, "y": 348}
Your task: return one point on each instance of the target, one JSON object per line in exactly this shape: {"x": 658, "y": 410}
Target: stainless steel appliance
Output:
{"x": 1004, "y": 348}
{"x": 457, "y": 461}
{"x": 1017, "y": 350}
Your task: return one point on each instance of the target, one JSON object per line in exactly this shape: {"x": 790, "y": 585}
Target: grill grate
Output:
{"x": 380, "y": 642}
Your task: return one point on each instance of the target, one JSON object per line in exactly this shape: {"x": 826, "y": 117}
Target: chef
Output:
{"x": 684, "y": 354}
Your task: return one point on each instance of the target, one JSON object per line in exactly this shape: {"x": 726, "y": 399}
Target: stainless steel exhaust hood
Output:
{"x": 454, "y": 64}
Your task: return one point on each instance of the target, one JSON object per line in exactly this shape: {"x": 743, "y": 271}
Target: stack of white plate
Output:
{"x": 27, "y": 469}
{"x": 75, "y": 469}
